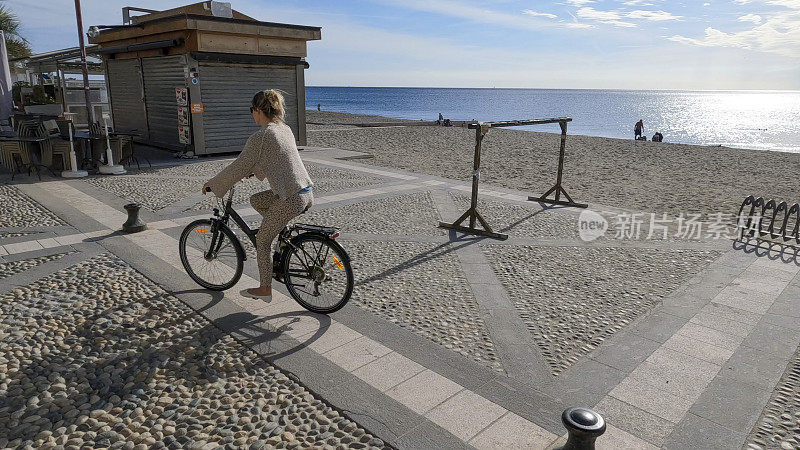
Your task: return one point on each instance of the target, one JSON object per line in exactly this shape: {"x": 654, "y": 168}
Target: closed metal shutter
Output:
{"x": 127, "y": 96}
{"x": 227, "y": 91}
{"x": 161, "y": 76}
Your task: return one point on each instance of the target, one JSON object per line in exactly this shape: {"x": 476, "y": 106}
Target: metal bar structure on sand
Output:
{"x": 481, "y": 128}
{"x": 558, "y": 189}
{"x": 472, "y": 213}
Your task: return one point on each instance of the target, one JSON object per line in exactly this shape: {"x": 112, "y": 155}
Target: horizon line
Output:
{"x": 558, "y": 89}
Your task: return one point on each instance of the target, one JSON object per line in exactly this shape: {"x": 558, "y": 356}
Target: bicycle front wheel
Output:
{"x": 317, "y": 273}
{"x": 212, "y": 258}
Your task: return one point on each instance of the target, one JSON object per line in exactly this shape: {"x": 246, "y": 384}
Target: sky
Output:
{"x": 581, "y": 44}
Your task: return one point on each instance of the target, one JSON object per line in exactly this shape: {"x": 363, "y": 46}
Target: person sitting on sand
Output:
{"x": 638, "y": 129}
{"x": 658, "y": 137}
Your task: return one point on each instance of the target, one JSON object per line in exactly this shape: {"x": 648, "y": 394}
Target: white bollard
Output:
{"x": 110, "y": 168}
{"x": 74, "y": 173}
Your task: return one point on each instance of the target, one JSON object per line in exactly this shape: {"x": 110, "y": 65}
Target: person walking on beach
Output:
{"x": 270, "y": 153}
{"x": 638, "y": 129}
{"x": 319, "y": 107}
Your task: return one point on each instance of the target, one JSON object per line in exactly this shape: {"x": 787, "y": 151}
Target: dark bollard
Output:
{"x": 583, "y": 426}
{"x": 133, "y": 224}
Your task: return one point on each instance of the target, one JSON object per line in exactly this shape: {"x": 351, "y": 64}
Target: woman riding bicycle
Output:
{"x": 269, "y": 153}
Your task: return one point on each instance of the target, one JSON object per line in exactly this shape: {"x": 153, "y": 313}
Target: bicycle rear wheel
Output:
{"x": 317, "y": 273}
{"x": 223, "y": 269}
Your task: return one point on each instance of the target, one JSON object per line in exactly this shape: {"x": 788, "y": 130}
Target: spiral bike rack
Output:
{"x": 763, "y": 215}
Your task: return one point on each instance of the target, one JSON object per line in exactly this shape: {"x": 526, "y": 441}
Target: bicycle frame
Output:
{"x": 230, "y": 213}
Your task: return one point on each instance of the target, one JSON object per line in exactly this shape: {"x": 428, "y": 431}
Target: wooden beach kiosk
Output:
{"x": 183, "y": 78}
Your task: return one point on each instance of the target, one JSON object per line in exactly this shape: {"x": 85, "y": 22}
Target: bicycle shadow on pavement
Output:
{"x": 268, "y": 335}
{"x": 216, "y": 297}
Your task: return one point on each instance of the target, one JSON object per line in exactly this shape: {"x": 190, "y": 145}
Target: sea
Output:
{"x": 761, "y": 120}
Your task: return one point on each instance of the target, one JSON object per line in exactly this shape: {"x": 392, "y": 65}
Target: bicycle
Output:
{"x": 214, "y": 258}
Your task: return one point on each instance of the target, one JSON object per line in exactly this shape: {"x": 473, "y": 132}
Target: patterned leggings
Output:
{"x": 277, "y": 212}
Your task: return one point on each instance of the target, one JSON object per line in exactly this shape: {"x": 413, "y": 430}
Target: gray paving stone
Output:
{"x": 428, "y": 436}
{"x": 424, "y": 391}
{"x": 388, "y": 371}
{"x": 754, "y": 366}
{"x": 698, "y": 349}
{"x": 773, "y": 339}
{"x": 357, "y": 353}
{"x": 791, "y": 293}
{"x": 586, "y": 382}
{"x": 658, "y": 326}
{"x": 777, "y": 425}
{"x": 625, "y": 352}
{"x": 694, "y": 432}
{"x": 730, "y": 402}
{"x": 465, "y": 414}
{"x": 640, "y": 423}
{"x": 646, "y": 396}
{"x": 526, "y": 400}
{"x": 513, "y": 432}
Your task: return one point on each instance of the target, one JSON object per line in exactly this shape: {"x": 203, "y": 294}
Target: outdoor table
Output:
{"x": 132, "y": 156}
{"x": 32, "y": 162}
{"x": 86, "y": 137}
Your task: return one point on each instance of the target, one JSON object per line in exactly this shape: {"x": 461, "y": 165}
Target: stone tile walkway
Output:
{"x": 454, "y": 341}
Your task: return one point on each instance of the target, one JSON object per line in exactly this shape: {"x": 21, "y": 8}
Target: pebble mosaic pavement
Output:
{"x": 98, "y": 356}
{"x": 196, "y": 384}
{"x": 151, "y": 193}
{"x": 8, "y": 269}
{"x": 421, "y": 286}
{"x": 161, "y": 187}
{"x": 779, "y": 424}
{"x": 572, "y": 298}
{"x": 410, "y": 214}
{"x": 22, "y": 211}
{"x": 523, "y": 221}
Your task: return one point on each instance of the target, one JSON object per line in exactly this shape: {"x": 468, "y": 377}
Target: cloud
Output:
{"x": 755, "y": 18}
{"x": 654, "y": 16}
{"x": 579, "y": 3}
{"x": 452, "y": 8}
{"x": 531, "y": 12}
{"x": 778, "y": 34}
{"x": 606, "y": 17}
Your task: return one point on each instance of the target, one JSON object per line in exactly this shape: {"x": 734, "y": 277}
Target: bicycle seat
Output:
{"x": 330, "y": 231}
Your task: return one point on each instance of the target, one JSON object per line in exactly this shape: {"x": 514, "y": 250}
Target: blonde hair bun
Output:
{"x": 271, "y": 103}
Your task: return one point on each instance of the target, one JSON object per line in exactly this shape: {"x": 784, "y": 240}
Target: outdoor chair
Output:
{"x": 127, "y": 152}
{"x": 99, "y": 145}
{"x": 40, "y": 130}
{"x": 14, "y": 156}
{"x": 55, "y": 146}
{"x": 21, "y": 153}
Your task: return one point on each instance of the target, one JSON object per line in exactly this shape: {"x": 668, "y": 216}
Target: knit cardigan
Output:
{"x": 269, "y": 153}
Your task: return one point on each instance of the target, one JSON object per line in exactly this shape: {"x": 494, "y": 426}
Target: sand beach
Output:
{"x": 644, "y": 176}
